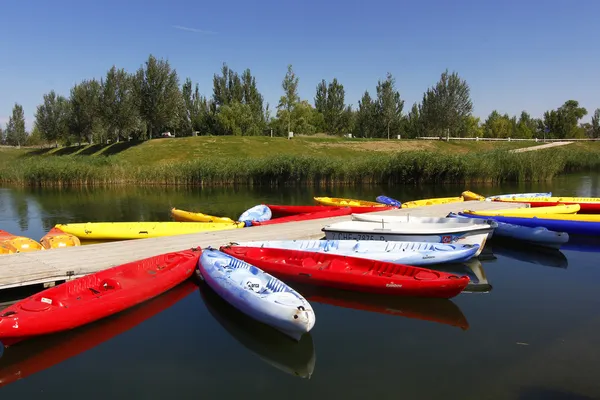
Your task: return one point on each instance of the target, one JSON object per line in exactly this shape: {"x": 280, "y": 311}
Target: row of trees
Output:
{"x": 141, "y": 104}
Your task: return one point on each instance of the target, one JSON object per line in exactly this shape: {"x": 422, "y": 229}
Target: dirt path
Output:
{"x": 540, "y": 147}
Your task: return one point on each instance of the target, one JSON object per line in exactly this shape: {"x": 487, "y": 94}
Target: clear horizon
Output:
{"x": 515, "y": 56}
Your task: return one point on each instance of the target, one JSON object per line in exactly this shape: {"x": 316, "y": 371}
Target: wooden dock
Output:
{"x": 57, "y": 265}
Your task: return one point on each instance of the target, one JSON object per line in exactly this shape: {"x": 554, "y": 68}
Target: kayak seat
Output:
{"x": 105, "y": 286}
{"x": 337, "y": 265}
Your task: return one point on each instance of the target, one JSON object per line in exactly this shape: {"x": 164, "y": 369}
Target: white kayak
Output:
{"x": 518, "y": 195}
{"x": 540, "y": 235}
{"x": 258, "y": 213}
{"x": 256, "y": 293}
{"x": 449, "y": 232}
{"x": 410, "y": 253}
{"x": 423, "y": 220}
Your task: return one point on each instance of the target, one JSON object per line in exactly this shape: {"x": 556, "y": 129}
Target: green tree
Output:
{"x": 498, "y": 126}
{"x": 414, "y": 124}
{"x": 446, "y": 105}
{"x": 321, "y": 97}
{"x": 389, "y": 106}
{"x": 526, "y": 127}
{"x": 15, "y": 128}
{"x": 197, "y": 116}
{"x": 365, "y": 118}
{"x": 596, "y": 123}
{"x": 85, "y": 117}
{"x": 52, "y": 117}
{"x": 158, "y": 94}
{"x": 118, "y": 103}
{"x": 2, "y": 136}
{"x": 237, "y": 119}
{"x": 35, "y": 138}
{"x": 472, "y": 127}
{"x": 290, "y": 99}
{"x": 564, "y": 122}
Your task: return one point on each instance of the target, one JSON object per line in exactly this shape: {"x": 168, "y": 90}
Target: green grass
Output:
{"x": 278, "y": 161}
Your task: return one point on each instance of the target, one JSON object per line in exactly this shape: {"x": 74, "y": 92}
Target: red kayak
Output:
{"x": 31, "y": 356}
{"x": 282, "y": 211}
{"x": 351, "y": 273}
{"x": 95, "y": 296}
{"x": 306, "y": 216}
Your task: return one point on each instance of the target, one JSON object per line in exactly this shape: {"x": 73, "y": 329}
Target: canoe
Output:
{"x": 388, "y": 201}
{"x": 283, "y": 211}
{"x": 307, "y": 216}
{"x": 440, "y": 311}
{"x": 529, "y": 211}
{"x": 7, "y": 248}
{"x": 429, "y": 202}
{"x": 27, "y": 357}
{"x": 338, "y": 201}
{"x": 56, "y": 239}
{"x": 268, "y": 344}
{"x": 534, "y": 235}
{"x": 470, "y": 196}
{"x": 257, "y": 213}
{"x": 351, "y": 273}
{"x": 588, "y": 204}
{"x": 449, "y": 232}
{"x": 21, "y": 243}
{"x": 561, "y": 217}
{"x": 411, "y": 253}
{"x": 558, "y": 225}
{"x": 256, "y": 293}
{"x": 95, "y": 296}
{"x": 189, "y": 216}
{"x": 140, "y": 230}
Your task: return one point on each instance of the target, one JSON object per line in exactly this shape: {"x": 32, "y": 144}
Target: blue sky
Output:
{"x": 515, "y": 55}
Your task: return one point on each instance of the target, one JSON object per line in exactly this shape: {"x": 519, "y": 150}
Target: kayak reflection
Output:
{"x": 442, "y": 311}
{"x": 471, "y": 268}
{"x": 24, "y": 358}
{"x": 533, "y": 255}
{"x": 270, "y": 345}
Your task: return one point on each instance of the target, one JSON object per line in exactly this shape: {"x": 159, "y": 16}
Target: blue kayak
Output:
{"x": 259, "y": 213}
{"x": 571, "y": 227}
{"x": 388, "y": 200}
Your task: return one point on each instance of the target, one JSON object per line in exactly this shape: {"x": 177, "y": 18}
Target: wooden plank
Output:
{"x": 24, "y": 269}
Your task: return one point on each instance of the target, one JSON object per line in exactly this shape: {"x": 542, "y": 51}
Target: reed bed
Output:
{"x": 410, "y": 167}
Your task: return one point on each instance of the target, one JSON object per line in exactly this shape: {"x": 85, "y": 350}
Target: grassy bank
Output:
{"x": 267, "y": 161}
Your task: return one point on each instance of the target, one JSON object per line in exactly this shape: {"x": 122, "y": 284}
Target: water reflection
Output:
{"x": 471, "y": 268}
{"x": 531, "y": 254}
{"x": 590, "y": 244}
{"x": 22, "y": 359}
{"x": 437, "y": 310}
{"x": 270, "y": 345}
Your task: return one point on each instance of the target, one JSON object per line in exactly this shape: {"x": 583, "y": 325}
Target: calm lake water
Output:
{"x": 531, "y": 332}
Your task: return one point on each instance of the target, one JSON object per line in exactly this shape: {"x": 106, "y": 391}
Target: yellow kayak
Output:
{"x": 340, "y": 202}
{"x": 588, "y": 204}
{"x": 468, "y": 196}
{"x": 430, "y": 202}
{"x": 528, "y": 211}
{"x": 7, "y": 248}
{"x": 560, "y": 217}
{"x": 140, "y": 230}
{"x": 189, "y": 216}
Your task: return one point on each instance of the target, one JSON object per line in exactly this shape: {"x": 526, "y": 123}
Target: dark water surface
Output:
{"x": 534, "y": 335}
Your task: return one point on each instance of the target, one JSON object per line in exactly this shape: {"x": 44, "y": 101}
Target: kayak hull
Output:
{"x": 189, "y": 216}
{"x": 343, "y": 202}
{"x": 531, "y": 211}
{"x": 283, "y": 210}
{"x": 21, "y": 243}
{"x": 589, "y": 205}
{"x": 351, "y": 273}
{"x": 96, "y": 296}
{"x": 306, "y": 216}
{"x": 56, "y": 239}
{"x": 570, "y": 227}
{"x": 430, "y": 202}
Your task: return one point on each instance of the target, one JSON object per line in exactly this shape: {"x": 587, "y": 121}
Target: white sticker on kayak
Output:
{"x": 46, "y": 300}
{"x": 253, "y": 284}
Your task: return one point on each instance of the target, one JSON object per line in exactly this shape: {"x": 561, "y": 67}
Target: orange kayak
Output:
{"x": 7, "y": 248}
{"x": 56, "y": 239}
{"x": 21, "y": 243}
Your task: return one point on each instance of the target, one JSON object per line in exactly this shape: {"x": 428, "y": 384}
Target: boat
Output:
{"x": 440, "y": 311}
{"x": 559, "y": 217}
{"x": 259, "y": 213}
{"x": 404, "y": 219}
{"x": 530, "y": 211}
{"x": 554, "y": 224}
{"x": 388, "y": 201}
{"x": 448, "y": 232}
{"x": 256, "y": 293}
{"x": 534, "y": 235}
{"x": 7, "y": 248}
{"x": 267, "y": 343}
{"x": 589, "y": 205}
{"x": 95, "y": 296}
{"x": 140, "y": 230}
{"x": 468, "y": 195}
{"x": 411, "y": 253}
{"x": 26, "y": 357}
{"x": 284, "y": 210}
{"x": 472, "y": 196}
{"x": 351, "y": 273}
{"x": 306, "y": 216}
{"x": 189, "y": 216}
{"x": 339, "y": 201}
{"x": 429, "y": 202}
{"x": 21, "y": 243}
{"x": 56, "y": 239}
